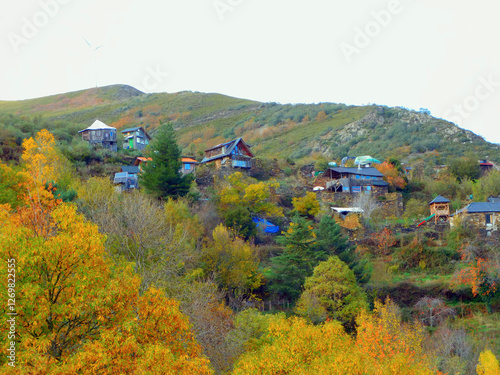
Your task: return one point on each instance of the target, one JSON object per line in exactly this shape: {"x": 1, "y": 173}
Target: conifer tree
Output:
{"x": 162, "y": 177}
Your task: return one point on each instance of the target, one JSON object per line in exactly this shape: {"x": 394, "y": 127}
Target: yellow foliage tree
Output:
{"x": 77, "y": 311}
{"x": 383, "y": 346}
{"x": 488, "y": 364}
{"x": 232, "y": 262}
{"x": 257, "y": 197}
{"x": 306, "y": 206}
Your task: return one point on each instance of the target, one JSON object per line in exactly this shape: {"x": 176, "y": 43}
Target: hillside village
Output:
{"x": 253, "y": 218}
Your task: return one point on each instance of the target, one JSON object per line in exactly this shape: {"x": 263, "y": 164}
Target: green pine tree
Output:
{"x": 162, "y": 177}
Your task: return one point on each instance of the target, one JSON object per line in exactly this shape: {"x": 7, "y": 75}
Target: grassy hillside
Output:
{"x": 274, "y": 130}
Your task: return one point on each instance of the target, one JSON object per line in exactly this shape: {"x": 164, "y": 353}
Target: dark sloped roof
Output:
{"x": 477, "y": 207}
{"x": 372, "y": 172}
{"x": 494, "y": 199}
{"x": 130, "y": 169}
{"x": 439, "y": 199}
{"x": 131, "y": 129}
{"x": 379, "y": 183}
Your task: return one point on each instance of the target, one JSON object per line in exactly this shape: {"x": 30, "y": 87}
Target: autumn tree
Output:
{"x": 488, "y": 364}
{"x": 483, "y": 276}
{"x": 391, "y": 175}
{"x": 162, "y": 177}
{"x": 257, "y": 197}
{"x": 383, "y": 345}
{"x": 11, "y": 186}
{"x": 384, "y": 240}
{"x": 331, "y": 293}
{"x": 307, "y": 206}
{"x": 390, "y": 346}
{"x": 240, "y": 198}
{"x": 232, "y": 262}
{"x": 78, "y": 310}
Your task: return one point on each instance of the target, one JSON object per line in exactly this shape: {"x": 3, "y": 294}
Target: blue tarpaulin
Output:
{"x": 265, "y": 225}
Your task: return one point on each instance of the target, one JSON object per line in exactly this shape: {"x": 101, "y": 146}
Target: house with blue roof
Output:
{"x": 480, "y": 215}
{"x": 233, "y": 154}
{"x": 356, "y": 180}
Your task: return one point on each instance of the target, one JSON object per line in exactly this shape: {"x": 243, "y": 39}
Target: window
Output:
{"x": 356, "y": 189}
{"x": 187, "y": 166}
{"x": 368, "y": 189}
{"x": 488, "y": 219}
{"x": 357, "y": 176}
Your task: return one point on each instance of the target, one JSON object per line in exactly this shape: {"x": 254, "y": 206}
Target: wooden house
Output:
{"x": 356, "y": 180}
{"x": 100, "y": 134}
{"x": 235, "y": 154}
{"x": 188, "y": 165}
{"x": 135, "y": 138}
{"x": 480, "y": 215}
{"x": 440, "y": 208}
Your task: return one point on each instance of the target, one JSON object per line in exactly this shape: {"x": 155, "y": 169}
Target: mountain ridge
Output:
{"x": 295, "y": 131}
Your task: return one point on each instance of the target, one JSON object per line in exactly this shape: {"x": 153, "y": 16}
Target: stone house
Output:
{"x": 480, "y": 215}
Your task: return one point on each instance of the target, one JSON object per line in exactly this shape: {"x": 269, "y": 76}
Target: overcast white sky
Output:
{"x": 442, "y": 55}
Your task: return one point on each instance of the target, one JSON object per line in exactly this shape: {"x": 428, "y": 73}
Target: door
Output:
{"x": 131, "y": 143}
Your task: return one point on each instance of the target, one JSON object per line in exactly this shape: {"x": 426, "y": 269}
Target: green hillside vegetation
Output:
{"x": 294, "y": 131}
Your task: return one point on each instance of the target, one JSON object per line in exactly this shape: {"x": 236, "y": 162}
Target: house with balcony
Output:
{"x": 233, "y": 154}
{"x": 135, "y": 138}
{"x": 100, "y": 135}
{"x": 356, "y": 180}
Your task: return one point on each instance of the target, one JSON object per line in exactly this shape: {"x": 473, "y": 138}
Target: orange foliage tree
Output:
{"x": 481, "y": 274}
{"x": 383, "y": 346}
{"x": 391, "y": 175}
{"x": 384, "y": 240}
{"x": 77, "y": 311}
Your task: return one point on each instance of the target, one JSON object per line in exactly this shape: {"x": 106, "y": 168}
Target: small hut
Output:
{"x": 440, "y": 208}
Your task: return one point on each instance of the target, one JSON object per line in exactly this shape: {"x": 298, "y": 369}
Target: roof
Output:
{"x": 131, "y": 129}
{"x": 130, "y": 169}
{"x": 478, "y": 207}
{"x": 136, "y": 128}
{"x": 98, "y": 125}
{"x": 439, "y": 199}
{"x": 141, "y": 159}
{"x": 231, "y": 145}
{"x": 365, "y": 160}
{"x": 373, "y": 172}
{"x": 494, "y": 199}
{"x": 188, "y": 160}
{"x": 487, "y": 164}
{"x": 379, "y": 183}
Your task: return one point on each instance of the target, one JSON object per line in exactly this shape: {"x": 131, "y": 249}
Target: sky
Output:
{"x": 441, "y": 55}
